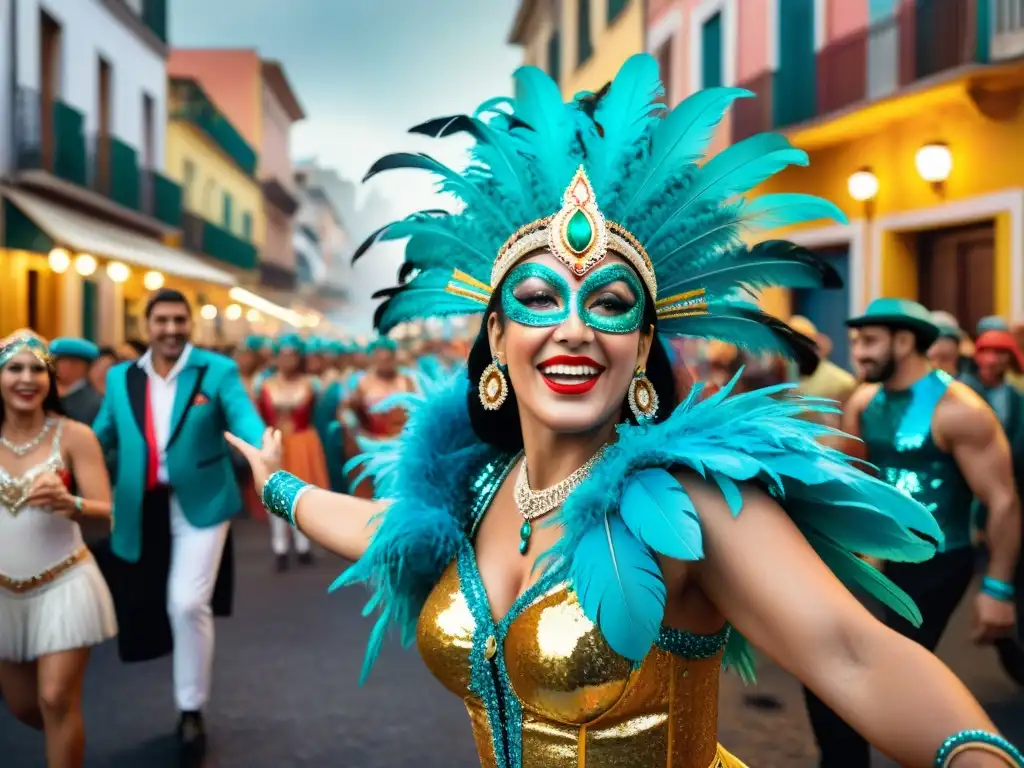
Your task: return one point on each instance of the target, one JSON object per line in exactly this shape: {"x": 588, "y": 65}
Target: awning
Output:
{"x": 82, "y": 233}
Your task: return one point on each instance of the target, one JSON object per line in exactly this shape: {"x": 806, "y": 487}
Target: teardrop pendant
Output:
{"x": 524, "y": 536}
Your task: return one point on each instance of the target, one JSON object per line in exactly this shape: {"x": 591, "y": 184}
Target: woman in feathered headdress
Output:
{"x": 573, "y": 550}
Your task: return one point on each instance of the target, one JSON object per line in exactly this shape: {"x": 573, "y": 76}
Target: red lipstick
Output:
{"x": 579, "y": 387}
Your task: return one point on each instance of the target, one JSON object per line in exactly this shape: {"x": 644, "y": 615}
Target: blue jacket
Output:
{"x": 210, "y": 399}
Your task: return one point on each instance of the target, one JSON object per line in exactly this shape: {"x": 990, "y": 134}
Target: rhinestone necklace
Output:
{"x": 533, "y": 504}
{"x": 23, "y": 449}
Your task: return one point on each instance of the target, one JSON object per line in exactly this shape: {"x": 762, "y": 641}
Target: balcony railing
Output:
{"x": 50, "y": 139}
{"x": 187, "y": 101}
{"x": 154, "y": 16}
{"x": 202, "y": 236}
{"x": 921, "y": 41}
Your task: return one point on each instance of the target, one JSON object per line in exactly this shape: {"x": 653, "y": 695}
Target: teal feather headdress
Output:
{"x": 610, "y": 172}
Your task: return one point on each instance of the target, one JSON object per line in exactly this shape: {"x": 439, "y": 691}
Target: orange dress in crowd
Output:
{"x": 375, "y": 426}
{"x": 301, "y": 451}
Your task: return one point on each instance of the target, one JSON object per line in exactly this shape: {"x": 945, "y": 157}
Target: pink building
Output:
{"x": 254, "y": 94}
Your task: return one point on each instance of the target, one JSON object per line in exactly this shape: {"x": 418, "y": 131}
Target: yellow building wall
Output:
{"x": 986, "y": 159}
{"x": 214, "y": 175}
{"x": 612, "y": 43}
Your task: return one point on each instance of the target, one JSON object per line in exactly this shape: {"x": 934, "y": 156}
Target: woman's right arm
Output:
{"x": 338, "y": 522}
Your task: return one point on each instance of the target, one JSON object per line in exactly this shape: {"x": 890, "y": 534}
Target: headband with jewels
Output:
{"x": 611, "y": 172}
{"x": 18, "y": 343}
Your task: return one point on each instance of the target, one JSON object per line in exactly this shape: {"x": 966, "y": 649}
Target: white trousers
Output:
{"x": 283, "y": 536}
{"x": 195, "y": 561}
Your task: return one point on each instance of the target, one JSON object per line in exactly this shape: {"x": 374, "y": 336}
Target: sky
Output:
{"x": 366, "y": 71}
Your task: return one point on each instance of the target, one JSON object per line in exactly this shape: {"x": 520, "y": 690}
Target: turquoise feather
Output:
{"x": 618, "y": 582}
{"x": 658, "y": 512}
{"x": 682, "y": 138}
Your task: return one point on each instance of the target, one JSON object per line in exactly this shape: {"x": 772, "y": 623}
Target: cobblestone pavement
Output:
{"x": 285, "y": 692}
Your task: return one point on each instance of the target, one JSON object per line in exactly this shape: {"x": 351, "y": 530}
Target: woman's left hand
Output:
{"x": 993, "y": 618}
{"x": 49, "y": 491}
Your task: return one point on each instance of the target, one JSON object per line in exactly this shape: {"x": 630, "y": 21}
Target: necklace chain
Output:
{"x": 23, "y": 449}
{"x": 533, "y": 504}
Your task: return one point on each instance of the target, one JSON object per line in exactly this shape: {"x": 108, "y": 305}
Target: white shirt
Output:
{"x": 161, "y": 400}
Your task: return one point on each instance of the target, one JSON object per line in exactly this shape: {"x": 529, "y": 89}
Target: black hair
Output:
{"x": 166, "y": 296}
{"x": 51, "y": 403}
{"x": 501, "y": 428}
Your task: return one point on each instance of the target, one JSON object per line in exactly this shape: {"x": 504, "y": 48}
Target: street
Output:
{"x": 285, "y": 692}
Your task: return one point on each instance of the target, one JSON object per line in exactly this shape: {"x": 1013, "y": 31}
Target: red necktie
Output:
{"x": 153, "y": 465}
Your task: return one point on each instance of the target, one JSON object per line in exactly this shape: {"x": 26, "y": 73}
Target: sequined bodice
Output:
{"x": 543, "y": 688}
{"x": 897, "y": 430}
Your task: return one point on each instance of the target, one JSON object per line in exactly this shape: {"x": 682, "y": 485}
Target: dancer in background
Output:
{"x": 381, "y": 380}
{"x": 54, "y": 604}
{"x": 169, "y": 563}
{"x": 585, "y": 234}
{"x": 287, "y": 399}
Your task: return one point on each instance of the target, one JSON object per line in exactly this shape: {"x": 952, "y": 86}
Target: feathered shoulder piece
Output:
{"x": 612, "y": 172}
{"x": 631, "y": 508}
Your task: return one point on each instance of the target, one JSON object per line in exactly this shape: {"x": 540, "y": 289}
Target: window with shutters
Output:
{"x": 712, "y": 63}
{"x": 615, "y": 9}
{"x": 795, "y": 91}
{"x": 584, "y": 43}
{"x": 227, "y": 211}
{"x": 555, "y": 56}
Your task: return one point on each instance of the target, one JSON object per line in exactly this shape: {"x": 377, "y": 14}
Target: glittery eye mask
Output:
{"x": 570, "y": 300}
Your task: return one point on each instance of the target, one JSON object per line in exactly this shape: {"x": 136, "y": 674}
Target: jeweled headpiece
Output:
{"x": 609, "y": 173}
{"x": 24, "y": 341}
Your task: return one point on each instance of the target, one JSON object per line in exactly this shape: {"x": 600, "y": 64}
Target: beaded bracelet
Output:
{"x": 980, "y": 740}
{"x": 281, "y": 495}
{"x": 1000, "y": 590}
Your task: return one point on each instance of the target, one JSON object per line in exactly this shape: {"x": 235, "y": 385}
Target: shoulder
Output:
{"x": 118, "y": 370}
{"x": 861, "y": 396}
{"x": 77, "y": 437}
{"x": 963, "y": 414}
{"x": 215, "y": 362}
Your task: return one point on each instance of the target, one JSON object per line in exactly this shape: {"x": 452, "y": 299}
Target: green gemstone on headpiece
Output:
{"x": 579, "y": 233}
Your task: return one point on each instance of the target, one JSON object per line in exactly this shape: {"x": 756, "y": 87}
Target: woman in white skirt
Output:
{"x": 54, "y": 603}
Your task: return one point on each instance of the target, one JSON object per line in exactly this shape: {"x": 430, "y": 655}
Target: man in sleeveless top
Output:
{"x": 170, "y": 559}
{"x": 934, "y": 439}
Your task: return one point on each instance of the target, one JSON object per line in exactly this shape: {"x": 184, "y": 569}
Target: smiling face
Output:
{"x": 24, "y": 383}
{"x": 571, "y": 345}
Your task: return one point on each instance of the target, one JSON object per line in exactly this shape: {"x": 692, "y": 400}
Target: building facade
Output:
{"x": 255, "y": 96}
{"x": 88, "y": 213}
{"x": 322, "y": 242}
{"x": 910, "y": 111}
{"x": 580, "y": 43}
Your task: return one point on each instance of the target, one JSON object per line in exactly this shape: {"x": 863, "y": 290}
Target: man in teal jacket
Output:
{"x": 174, "y": 494}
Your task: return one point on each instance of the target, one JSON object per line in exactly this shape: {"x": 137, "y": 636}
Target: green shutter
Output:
{"x": 247, "y": 226}
{"x": 711, "y": 52}
{"x": 795, "y": 91}
{"x": 615, "y": 7}
{"x": 585, "y": 46}
{"x": 555, "y": 56}
{"x": 227, "y": 211}
{"x": 90, "y": 305}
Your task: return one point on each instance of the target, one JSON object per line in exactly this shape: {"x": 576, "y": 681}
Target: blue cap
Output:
{"x": 290, "y": 341}
{"x": 989, "y": 323}
{"x": 81, "y": 349}
{"x": 899, "y": 314}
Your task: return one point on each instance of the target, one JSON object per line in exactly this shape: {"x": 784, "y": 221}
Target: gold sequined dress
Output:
{"x": 543, "y": 688}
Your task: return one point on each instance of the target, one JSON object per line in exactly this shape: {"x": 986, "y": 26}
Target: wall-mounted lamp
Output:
{"x": 253, "y": 316}
{"x": 59, "y": 260}
{"x": 85, "y": 264}
{"x": 233, "y": 311}
{"x": 153, "y": 280}
{"x": 208, "y": 312}
{"x": 934, "y": 164}
{"x": 862, "y": 185}
{"x": 118, "y": 272}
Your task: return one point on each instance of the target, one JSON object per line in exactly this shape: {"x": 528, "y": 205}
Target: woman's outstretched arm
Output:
{"x": 338, "y": 522}
{"x": 765, "y": 578}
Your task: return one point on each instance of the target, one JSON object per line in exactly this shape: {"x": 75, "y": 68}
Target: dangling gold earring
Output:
{"x": 493, "y": 387}
{"x": 642, "y": 398}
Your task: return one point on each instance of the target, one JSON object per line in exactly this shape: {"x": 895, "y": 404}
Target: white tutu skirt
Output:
{"x": 75, "y": 610}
